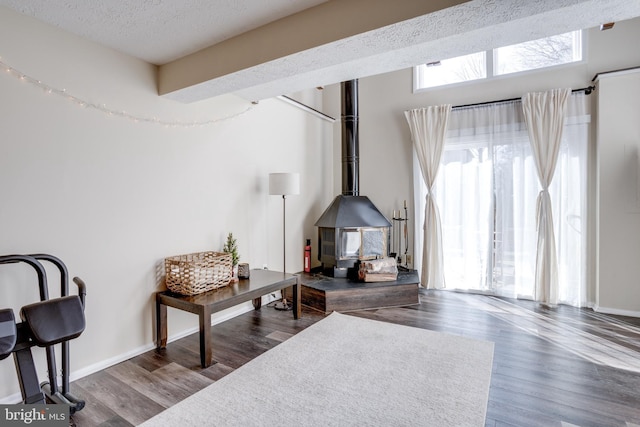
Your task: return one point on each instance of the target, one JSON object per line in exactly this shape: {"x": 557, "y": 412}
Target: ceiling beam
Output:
{"x": 324, "y": 24}
{"x": 344, "y": 39}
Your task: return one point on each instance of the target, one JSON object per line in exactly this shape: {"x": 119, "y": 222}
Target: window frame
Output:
{"x": 490, "y": 64}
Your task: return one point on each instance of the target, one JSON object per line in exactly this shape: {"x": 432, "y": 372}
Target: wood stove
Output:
{"x": 351, "y": 228}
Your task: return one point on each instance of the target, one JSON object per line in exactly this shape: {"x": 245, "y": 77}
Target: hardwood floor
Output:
{"x": 552, "y": 367}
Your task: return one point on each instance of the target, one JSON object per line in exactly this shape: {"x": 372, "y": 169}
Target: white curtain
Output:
{"x": 486, "y": 192}
{"x": 486, "y": 146}
{"x": 428, "y": 127}
{"x": 544, "y": 114}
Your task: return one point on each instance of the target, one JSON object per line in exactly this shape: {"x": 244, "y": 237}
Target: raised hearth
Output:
{"x": 327, "y": 294}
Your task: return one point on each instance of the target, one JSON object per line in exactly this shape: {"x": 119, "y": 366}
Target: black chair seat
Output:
{"x": 8, "y": 332}
{"x": 55, "y": 320}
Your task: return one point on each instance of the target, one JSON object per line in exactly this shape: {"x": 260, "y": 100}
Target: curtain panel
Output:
{"x": 544, "y": 114}
{"x": 428, "y": 127}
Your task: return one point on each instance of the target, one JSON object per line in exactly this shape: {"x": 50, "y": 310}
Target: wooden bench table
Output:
{"x": 261, "y": 282}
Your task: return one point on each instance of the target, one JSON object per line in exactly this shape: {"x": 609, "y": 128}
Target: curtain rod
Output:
{"x": 587, "y": 91}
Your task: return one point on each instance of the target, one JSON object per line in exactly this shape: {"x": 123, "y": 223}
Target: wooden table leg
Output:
{"x": 206, "y": 352}
{"x": 257, "y": 303}
{"x": 297, "y": 297}
{"x": 161, "y": 324}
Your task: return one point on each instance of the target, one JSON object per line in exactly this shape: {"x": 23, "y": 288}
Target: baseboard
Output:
{"x": 104, "y": 364}
{"x": 616, "y": 311}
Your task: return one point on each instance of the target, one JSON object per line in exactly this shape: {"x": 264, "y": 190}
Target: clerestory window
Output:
{"x": 536, "y": 54}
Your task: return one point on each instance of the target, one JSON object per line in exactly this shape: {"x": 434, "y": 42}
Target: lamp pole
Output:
{"x": 284, "y": 233}
{"x": 284, "y": 304}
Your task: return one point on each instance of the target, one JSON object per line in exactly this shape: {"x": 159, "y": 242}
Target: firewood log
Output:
{"x": 378, "y": 270}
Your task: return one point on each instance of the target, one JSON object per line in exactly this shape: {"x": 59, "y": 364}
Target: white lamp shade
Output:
{"x": 284, "y": 184}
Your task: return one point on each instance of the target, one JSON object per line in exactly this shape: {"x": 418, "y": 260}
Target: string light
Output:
{"x": 111, "y": 112}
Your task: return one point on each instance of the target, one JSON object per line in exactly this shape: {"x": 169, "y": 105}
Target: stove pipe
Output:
{"x": 350, "y": 145}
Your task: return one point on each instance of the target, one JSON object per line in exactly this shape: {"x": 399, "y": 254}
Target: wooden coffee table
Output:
{"x": 261, "y": 282}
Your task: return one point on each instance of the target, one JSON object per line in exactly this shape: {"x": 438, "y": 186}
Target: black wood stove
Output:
{"x": 351, "y": 228}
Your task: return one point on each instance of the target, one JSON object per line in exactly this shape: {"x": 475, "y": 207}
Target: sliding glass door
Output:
{"x": 486, "y": 190}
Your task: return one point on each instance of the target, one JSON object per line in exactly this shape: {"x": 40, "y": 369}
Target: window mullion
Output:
{"x": 489, "y": 62}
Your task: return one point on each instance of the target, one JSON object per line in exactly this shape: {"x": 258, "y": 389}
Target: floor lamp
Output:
{"x": 284, "y": 184}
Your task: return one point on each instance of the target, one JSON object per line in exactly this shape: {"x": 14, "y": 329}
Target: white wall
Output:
{"x": 619, "y": 193}
{"x": 385, "y": 141}
{"x": 112, "y": 197}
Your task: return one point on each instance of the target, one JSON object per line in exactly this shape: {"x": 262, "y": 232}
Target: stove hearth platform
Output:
{"x": 327, "y": 294}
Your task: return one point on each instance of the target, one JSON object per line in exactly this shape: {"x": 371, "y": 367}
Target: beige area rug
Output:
{"x": 349, "y": 371}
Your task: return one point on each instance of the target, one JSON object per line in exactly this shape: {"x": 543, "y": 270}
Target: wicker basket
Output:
{"x": 199, "y": 272}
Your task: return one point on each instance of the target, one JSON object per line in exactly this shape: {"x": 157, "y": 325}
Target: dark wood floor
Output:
{"x": 559, "y": 367}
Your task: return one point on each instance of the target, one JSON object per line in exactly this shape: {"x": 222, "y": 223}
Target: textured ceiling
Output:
{"x": 171, "y": 32}
{"x": 158, "y": 31}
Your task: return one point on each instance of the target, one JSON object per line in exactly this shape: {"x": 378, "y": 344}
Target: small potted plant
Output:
{"x": 231, "y": 247}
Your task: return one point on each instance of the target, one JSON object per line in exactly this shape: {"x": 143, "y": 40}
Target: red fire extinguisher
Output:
{"x": 307, "y": 257}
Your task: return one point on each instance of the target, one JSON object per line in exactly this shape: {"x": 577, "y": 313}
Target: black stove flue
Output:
{"x": 350, "y": 138}
{"x": 351, "y": 228}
